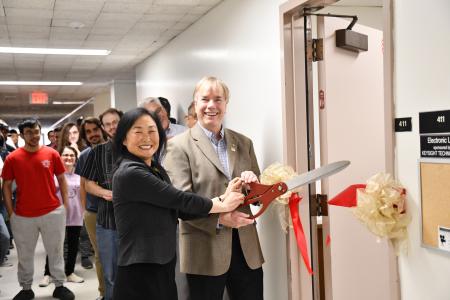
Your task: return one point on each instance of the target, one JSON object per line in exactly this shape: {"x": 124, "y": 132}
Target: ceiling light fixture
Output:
{"x": 68, "y": 102}
{"x": 40, "y": 83}
{"x": 20, "y": 50}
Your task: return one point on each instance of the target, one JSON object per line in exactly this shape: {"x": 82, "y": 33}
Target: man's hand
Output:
{"x": 249, "y": 176}
{"x": 107, "y": 195}
{"x": 235, "y": 219}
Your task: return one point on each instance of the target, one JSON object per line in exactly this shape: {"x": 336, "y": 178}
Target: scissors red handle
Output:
{"x": 264, "y": 194}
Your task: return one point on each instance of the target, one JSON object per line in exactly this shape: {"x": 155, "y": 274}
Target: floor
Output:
{"x": 9, "y": 285}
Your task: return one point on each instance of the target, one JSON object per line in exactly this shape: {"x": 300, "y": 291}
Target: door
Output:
{"x": 354, "y": 124}
{"x": 352, "y": 127}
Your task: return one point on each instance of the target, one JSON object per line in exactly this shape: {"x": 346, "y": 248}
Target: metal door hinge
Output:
{"x": 315, "y": 50}
{"x": 319, "y": 205}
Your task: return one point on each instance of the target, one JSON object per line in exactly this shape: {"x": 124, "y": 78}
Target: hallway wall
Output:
{"x": 422, "y": 83}
{"x": 238, "y": 41}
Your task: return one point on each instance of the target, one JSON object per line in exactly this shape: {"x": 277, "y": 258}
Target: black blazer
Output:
{"x": 146, "y": 208}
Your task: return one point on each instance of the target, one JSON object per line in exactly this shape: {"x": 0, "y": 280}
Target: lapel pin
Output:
{"x": 233, "y": 148}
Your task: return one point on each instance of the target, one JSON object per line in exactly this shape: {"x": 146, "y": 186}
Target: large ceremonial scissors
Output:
{"x": 265, "y": 194}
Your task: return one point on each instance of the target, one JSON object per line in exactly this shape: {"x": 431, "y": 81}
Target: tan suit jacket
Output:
{"x": 193, "y": 165}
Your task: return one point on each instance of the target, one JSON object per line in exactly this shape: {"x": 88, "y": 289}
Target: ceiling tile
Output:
{"x": 181, "y": 26}
{"x": 22, "y": 20}
{"x": 112, "y": 28}
{"x": 63, "y": 33}
{"x": 28, "y": 57}
{"x": 3, "y": 30}
{"x": 104, "y": 37}
{"x": 176, "y": 2}
{"x": 169, "y": 9}
{"x": 71, "y": 22}
{"x": 190, "y": 18}
{"x": 79, "y": 16}
{"x": 60, "y": 43}
{"x": 162, "y": 17}
{"x": 132, "y": 29}
{"x": 115, "y": 17}
{"x": 77, "y": 75}
{"x": 126, "y": 7}
{"x": 97, "y": 44}
{"x": 28, "y": 29}
{"x": 201, "y": 9}
{"x": 26, "y": 35}
{"x": 89, "y": 59}
{"x": 29, "y": 12}
{"x": 79, "y": 5}
{"x": 47, "y": 4}
{"x": 209, "y": 2}
{"x": 29, "y": 43}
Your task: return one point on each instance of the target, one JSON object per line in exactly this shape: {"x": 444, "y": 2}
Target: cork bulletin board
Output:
{"x": 435, "y": 202}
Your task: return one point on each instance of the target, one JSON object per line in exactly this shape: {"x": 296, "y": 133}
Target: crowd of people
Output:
{"x": 158, "y": 202}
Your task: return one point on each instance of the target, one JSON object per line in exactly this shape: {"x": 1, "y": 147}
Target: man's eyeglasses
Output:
{"x": 32, "y": 133}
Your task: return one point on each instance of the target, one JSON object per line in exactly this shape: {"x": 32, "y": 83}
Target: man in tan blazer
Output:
{"x": 220, "y": 250}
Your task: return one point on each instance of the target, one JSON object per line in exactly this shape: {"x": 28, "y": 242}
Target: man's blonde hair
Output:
{"x": 213, "y": 82}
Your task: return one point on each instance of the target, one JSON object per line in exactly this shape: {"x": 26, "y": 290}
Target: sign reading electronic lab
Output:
{"x": 434, "y": 127}
{"x": 435, "y": 146}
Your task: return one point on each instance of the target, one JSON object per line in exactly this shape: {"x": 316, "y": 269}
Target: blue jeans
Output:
{"x": 4, "y": 239}
{"x": 107, "y": 244}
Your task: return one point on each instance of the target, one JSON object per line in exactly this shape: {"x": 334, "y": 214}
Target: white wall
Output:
{"x": 422, "y": 83}
{"x": 123, "y": 94}
{"x": 238, "y": 41}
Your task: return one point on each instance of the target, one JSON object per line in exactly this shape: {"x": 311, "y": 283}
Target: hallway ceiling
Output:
{"x": 131, "y": 29}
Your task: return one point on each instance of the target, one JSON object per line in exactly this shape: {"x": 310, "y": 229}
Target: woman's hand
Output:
{"x": 230, "y": 202}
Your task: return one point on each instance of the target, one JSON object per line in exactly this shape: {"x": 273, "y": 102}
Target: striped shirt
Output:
{"x": 98, "y": 168}
{"x": 220, "y": 146}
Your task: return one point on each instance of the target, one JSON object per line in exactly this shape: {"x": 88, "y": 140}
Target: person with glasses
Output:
{"x": 38, "y": 209}
{"x": 74, "y": 217}
{"x": 97, "y": 174}
{"x": 191, "y": 118}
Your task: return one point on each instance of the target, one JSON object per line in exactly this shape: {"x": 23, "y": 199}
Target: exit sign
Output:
{"x": 38, "y": 98}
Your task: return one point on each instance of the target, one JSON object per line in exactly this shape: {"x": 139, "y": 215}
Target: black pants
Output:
{"x": 146, "y": 281}
{"x": 242, "y": 282}
{"x": 85, "y": 247}
{"x": 72, "y": 240}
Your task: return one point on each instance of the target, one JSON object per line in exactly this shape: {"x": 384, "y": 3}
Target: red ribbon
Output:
{"x": 347, "y": 197}
{"x": 294, "y": 200}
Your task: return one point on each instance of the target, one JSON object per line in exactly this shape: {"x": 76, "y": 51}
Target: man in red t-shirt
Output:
{"x": 38, "y": 209}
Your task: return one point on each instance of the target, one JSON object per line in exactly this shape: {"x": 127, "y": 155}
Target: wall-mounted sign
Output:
{"x": 434, "y": 122}
{"x": 38, "y": 98}
{"x": 403, "y": 124}
{"x": 437, "y": 146}
{"x": 444, "y": 238}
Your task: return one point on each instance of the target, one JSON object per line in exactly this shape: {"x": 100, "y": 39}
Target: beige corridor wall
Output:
{"x": 422, "y": 83}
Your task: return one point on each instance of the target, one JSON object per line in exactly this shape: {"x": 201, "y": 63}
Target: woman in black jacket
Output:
{"x": 147, "y": 207}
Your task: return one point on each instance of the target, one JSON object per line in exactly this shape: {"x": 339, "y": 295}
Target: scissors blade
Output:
{"x": 316, "y": 174}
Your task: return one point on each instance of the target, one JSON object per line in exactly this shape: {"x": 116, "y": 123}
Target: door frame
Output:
{"x": 300, "y": 283}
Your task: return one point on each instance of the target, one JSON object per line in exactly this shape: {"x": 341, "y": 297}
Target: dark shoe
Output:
{"x": 63, "y": 293}
{"x": 86, "y": 263}
{"x": 24, "y": 295}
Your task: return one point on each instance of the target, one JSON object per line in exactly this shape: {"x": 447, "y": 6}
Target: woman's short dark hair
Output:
{"x": 126, "y": 122}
